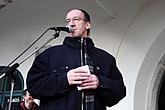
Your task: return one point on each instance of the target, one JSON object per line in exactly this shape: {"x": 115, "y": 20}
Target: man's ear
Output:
{"x": 88, "y": 25}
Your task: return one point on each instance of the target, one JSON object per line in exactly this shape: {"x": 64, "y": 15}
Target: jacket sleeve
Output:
{"x": 43, "y": 83}
{"x": 111, "y": 86}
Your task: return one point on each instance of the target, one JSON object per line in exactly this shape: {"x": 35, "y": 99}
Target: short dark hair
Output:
{"x": 86, "y": 15}
{"x": 86, "y": 18}
{"x": 24, "y": 92}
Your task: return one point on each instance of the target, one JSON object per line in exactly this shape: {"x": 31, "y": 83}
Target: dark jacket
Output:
{"x": 47, "y": 78}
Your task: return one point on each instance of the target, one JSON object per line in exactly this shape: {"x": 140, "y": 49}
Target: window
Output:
{"x": 5, "y": 88}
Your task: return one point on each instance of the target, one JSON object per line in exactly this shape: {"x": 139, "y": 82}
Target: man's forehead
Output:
{"x": 74, "y": 13}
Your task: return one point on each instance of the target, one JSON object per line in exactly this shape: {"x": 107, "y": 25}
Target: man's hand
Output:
{"x": 77, "y": 76}
{"x": 81, "y": 76}
{"x": 90, "y": 83}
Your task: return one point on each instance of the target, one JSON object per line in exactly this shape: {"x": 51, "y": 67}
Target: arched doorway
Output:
{"x": 161, "y": 94}
{"x": 5, "y": 88}
{"x": 156, "y": 94}
{"x": 150, "y": 76}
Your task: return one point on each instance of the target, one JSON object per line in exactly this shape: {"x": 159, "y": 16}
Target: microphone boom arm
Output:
{"x": 38, "y": 48}
{"x": 16, "y": 65}
{"x": 12, "y": 68}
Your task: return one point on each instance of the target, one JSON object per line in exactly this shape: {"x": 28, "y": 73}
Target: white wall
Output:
{"x": 139, "y": 39}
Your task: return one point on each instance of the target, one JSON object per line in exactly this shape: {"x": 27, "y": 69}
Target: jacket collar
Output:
{"x": 75, "y": 42}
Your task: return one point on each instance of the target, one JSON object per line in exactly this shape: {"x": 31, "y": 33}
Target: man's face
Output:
{"x": 28, "y": 98}
{"x": 75, "y": 19}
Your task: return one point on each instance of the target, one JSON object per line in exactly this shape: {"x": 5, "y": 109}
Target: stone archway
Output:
{"x": 156, "y": 86}
{"x": 161, "y": 94}
{"x": 150, "y": 76}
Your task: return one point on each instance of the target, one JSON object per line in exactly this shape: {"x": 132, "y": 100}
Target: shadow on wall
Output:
{"x": 3, "y": 3}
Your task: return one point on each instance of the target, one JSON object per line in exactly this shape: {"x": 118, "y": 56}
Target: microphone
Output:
{"x": 66, "y": 29}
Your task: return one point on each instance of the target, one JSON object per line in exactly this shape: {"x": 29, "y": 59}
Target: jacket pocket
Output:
{"x": 59, "y": 71}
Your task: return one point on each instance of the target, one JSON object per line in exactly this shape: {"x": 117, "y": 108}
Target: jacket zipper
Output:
{"x": 81, "y": 51}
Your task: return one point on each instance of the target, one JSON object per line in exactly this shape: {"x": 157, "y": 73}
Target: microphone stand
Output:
{"x": 13, "y": 68}
{"x": 5, "y": 69}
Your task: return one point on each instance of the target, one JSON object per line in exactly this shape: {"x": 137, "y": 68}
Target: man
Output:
{"x": 28, "y": 102}
{"x": 60, "y": 80}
